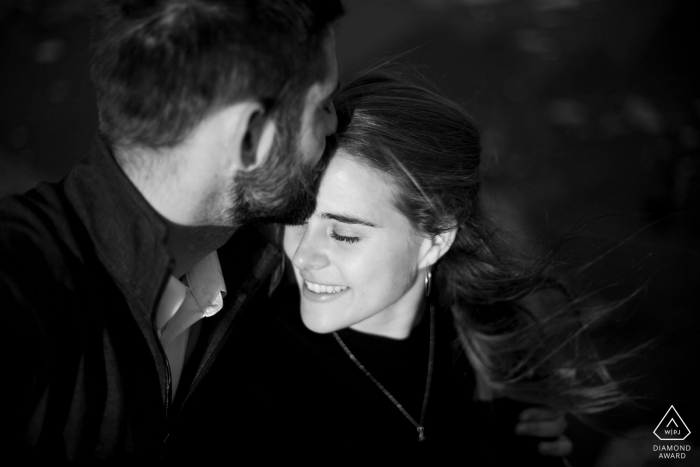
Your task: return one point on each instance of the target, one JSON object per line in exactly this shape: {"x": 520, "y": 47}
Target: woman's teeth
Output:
{"x": 318, "y": 288}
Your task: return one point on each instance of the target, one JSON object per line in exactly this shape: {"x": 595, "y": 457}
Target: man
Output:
{"x": 213, "y": 115}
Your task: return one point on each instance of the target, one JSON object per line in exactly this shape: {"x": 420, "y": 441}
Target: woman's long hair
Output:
{"x": 520, "y": 328}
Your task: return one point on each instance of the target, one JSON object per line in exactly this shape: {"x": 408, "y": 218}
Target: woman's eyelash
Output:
{"x": 342, "y": 238}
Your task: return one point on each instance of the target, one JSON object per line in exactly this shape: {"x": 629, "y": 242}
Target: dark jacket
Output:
{"x": 83, "y": 264}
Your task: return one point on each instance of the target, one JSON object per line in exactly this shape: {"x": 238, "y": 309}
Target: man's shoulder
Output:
{"x": 32, "y": 214}
{"x": 40, "y": 230}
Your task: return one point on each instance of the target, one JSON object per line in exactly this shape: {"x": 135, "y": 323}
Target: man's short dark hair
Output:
{"x": 161, "y": 66}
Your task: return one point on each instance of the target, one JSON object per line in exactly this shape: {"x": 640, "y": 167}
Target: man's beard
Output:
{"x": 282, "y": 190}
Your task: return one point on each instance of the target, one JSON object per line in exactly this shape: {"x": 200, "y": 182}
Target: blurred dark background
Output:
{"x": 590, "y": 113}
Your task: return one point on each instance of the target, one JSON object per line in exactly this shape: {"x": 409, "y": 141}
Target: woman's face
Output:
{"x": 357, "y": 258}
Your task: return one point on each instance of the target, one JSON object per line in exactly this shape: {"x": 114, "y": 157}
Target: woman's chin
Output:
{"x": 319, "y": 322}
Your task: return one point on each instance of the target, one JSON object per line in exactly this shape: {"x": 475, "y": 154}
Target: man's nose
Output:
{"x": 309, "y": 255}
{"x": 331, "y": 120}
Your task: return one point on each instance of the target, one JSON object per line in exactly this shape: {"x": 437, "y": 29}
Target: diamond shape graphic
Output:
{"x": 672, "y": 427}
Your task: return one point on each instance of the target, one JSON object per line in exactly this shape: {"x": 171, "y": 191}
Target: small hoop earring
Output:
{"x": 428, "y": 283}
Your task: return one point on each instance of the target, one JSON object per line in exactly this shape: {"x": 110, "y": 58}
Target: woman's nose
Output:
{"x": 309, "y": 255}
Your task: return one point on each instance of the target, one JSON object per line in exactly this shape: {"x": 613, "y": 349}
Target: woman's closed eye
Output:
{"x": 343, "y": 238}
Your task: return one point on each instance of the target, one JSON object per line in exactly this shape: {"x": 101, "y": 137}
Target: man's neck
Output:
{"x": 189, "y": 201}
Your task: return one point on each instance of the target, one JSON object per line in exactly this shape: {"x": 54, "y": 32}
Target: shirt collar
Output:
{"x": 206, "y": 282}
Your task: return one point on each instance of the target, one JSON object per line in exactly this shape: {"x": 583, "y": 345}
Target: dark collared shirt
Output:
{"x": 83, "y": 264}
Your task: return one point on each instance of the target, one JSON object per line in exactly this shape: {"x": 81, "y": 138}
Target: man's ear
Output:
{"x": 256, "y": 138}
{"x": 433, "y": 248}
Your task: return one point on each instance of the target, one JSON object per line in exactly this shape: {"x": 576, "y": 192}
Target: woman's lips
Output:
{"x": 322, "y": 293}
{"x": 322, "y": 288}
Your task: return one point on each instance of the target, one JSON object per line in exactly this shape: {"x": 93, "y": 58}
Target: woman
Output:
{"x": 408, "y": 331}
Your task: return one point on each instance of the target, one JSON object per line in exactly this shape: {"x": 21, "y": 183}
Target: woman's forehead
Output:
{"x": 347, "y": 185}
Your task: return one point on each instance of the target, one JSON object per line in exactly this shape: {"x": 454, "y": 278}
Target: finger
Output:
{"x": 561, "y": 447}
{"x": 539, "y": 413}
{"x": 542, "y": 429}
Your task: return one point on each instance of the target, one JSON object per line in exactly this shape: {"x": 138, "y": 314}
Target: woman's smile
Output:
{"x": 321, "y": 288}
{"x": 322, "y": 293}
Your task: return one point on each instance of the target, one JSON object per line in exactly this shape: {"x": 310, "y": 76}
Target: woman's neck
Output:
{"x": 397, "y": 320}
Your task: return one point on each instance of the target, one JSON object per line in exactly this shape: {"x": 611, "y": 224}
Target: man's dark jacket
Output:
{"x": 83, "y": 264}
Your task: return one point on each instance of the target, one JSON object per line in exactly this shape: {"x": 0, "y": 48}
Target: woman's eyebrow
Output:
{"x": 346, "y": 219}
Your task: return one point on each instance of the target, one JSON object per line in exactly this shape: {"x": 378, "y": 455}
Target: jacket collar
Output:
{"x": 128, "y": 234}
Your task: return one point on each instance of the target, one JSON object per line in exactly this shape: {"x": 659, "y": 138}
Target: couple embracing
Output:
{"x": 254, "y": 259}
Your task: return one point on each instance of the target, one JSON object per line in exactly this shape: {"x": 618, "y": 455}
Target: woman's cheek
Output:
{"x": 292, "y": 239}
{"x": 372, "y": 270}
{"x": 403, "y": 264}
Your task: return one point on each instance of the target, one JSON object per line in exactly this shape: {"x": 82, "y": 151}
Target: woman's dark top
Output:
{"x": 282, "y": 392}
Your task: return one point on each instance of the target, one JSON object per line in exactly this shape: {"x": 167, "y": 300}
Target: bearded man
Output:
{"x": 121, "y": 283}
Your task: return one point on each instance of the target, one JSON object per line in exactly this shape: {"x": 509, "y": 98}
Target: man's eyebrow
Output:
{"x": 346, "y": 219}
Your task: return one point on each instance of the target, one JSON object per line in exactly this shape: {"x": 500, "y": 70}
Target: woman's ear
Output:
{"x": 435, "y": 247}
{"x": 257, "y": 139}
